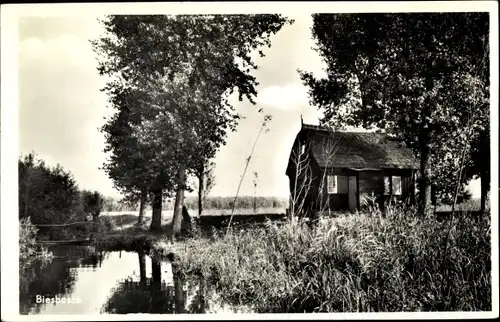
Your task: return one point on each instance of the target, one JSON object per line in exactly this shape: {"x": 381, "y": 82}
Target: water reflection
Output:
{"x": 113, "y": 282}
{"x": 56, "y": 278}
{"x": 139, "y": 294}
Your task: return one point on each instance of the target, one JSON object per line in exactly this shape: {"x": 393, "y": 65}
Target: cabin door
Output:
{"x": 353, "y": 190}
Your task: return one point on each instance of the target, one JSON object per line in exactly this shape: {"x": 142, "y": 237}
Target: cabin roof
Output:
{"x": 358, "y": 150}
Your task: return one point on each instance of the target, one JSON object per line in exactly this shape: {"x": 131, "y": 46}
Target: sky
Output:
{"x": 61, "y": 107}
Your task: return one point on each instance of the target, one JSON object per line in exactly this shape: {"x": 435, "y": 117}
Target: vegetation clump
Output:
{"x": 29, "y": 251}
{"x": 351, "y": 263}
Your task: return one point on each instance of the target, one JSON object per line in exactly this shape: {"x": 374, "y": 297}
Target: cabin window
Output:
{"x": 392, "y": 184}
{"x": 337, "y": 184}
{"x": 387, "y": 186}
{"x": 332, "y": 184}
{"x": 396, "y": 185}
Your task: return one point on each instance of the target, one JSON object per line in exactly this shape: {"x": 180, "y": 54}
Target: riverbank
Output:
{"x": 128, "y": 235}
{"x": 130, "y": 239}
{"x": 352, "y": 263}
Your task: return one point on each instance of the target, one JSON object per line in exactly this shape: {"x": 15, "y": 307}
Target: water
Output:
{"x": 85, "y": 282}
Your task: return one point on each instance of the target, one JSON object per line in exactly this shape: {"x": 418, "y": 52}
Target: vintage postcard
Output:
{"x": 248, "y": 160}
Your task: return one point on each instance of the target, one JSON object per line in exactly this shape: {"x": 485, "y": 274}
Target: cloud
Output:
{"x": 47, "y": 27}
{"x": 61, "y": 105}
{"x": 288, "y": 97}
{"x": 292, "y": 48}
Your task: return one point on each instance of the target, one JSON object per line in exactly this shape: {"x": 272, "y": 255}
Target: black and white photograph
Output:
{"x": 249, "y": 160}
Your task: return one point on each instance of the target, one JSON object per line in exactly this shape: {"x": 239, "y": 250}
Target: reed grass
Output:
{"x": 352, "y": 263}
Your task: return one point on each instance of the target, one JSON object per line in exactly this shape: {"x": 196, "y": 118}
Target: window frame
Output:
{"x": 400, "y": 190}
{"x": 389, "y": 186}
{"x": 334, "y": 181}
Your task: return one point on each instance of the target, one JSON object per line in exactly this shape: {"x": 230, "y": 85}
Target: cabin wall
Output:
{"x": 338, "y": 201}
{"x": 367, "y": 182}
{"x": 373, "y": 182}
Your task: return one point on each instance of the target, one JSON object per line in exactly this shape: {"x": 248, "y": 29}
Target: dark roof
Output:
{"x": 358, "y": 150}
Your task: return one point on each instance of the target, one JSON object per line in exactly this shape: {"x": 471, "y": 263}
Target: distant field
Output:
{"x": 208, "y": 212}
{"x": 126, "y": 219}
{"x": 472, "y": 205}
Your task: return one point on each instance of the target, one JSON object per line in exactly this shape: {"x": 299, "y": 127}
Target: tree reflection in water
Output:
{"x": 159, "y": 292}
{"x": 55, "y": 278}
{"x": 150, "y": 295}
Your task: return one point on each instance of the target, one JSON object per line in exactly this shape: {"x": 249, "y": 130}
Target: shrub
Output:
{"x": 105, "y": 224}
{"x": 140, "y": 241}
{"x": 29, "y": 251}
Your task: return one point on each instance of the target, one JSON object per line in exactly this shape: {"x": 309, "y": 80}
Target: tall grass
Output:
{"x": 364, "y": 262}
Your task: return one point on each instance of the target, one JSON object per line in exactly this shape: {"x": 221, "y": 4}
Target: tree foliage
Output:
{"x": 51, "y": 199}
{"x": 129, "y": 165}
{"x": 93, "y": 203}
{"x": 182, "y": 70}
{"x": 46, "y": 194}
{"x": 421, "y": 77}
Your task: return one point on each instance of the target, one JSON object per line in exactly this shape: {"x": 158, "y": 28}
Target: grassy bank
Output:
{"x": 128, "y": 216}
{"x": 351, "y": 263}
{"x": 129, "y": 236}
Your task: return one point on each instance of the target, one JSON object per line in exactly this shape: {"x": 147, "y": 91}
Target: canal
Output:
{"x": 80, "y": 280}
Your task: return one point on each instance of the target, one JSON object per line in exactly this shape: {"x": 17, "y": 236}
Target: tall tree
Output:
{"x": 205, "y": 176}
{"x": 422, "y": 77}
{"x": 184, "y": 68}
{"x": 129, "y": 165}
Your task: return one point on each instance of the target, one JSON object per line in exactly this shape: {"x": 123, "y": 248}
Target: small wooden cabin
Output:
{"x": 337, "y": 171}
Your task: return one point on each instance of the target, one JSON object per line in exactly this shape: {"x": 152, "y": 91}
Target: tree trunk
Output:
{"x": 200, "y": 190}
{"x": 425, "y": 206}
{"x": 485, "y": 169}
{"x": 155, "y": 275}
{"x": 156, "y": 216}
{"x": 485, "y": 188}
{"x": 179, "y": 296}
{"x": 179, "y": 201}
{"x": 142, "y": 267}
{"x": 141, "y": 208}
{"x": 201, "y": 298}
{"x": 412, "y": 188}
